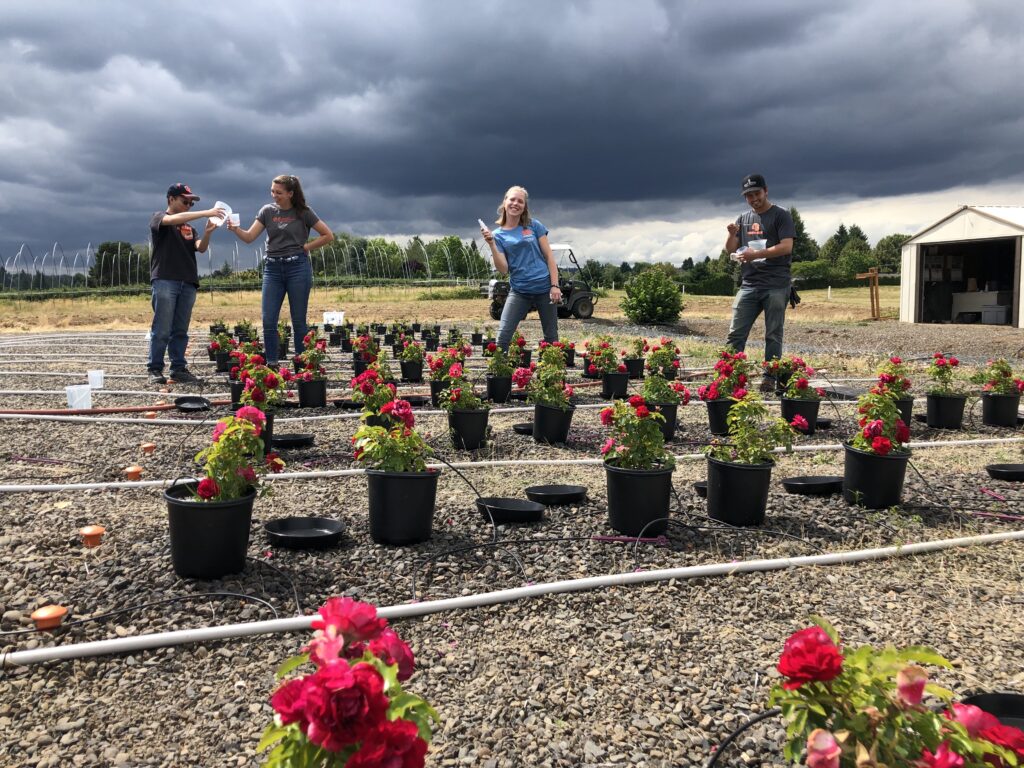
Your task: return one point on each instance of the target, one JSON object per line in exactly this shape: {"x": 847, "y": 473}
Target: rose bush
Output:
{"x": 396, "y": 448}
{"x": 498, "y": 361}
{"x": 753, "y": 437}
{"x": 460, "y": 395}
{"x": 663, "y": 355}
{"x": 997, "y": 379}
{"x": 312, "y": 357}
{"x": 545, "y": 381}
{"x": 732, "y": 375}
{"x": 894, "y": 374}
{"x": 235, "y": 460}
{"x": 882, "y": 431}
{"x": 636, "y": 441}
{"x": 942, "y": 371}
{"x": 351, "y": 712}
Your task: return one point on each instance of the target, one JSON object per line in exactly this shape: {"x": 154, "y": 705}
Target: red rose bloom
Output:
{"x": 636, "y": 400}
{"x": 642, "y": 412}
{"x": 207, "y": 488}
{"x": 606, "y": 416}
{"x": 343, "y": 705}
{"x": 394, "y": 743}
{"x": 881, "y": 445}
{"x": 809, "y": 656}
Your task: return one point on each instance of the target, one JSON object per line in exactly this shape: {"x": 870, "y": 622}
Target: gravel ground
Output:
{"x": 652, "y": 675}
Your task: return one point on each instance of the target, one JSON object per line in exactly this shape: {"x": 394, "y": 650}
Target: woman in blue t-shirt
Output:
{"x": 519, "y": 247}
{"x": 286, "y": 269}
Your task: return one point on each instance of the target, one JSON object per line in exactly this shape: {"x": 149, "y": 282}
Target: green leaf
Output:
{"x": 289, "y": 664}
{"x": 825, "y": 625}
{"x": 272, "y": 735}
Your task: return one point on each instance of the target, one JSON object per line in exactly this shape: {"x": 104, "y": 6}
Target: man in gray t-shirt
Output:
{"x": 762, "y": 241}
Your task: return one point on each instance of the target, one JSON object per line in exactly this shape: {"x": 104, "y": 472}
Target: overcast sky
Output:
{"x": 631, "y": 123}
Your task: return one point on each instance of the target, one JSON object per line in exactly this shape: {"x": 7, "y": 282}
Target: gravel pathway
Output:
{"x": 651, "y": 675}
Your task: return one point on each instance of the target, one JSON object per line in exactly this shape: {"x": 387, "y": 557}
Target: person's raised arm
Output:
{"x": 732, "y": 242}
{"x": 555, "y": 291}
{"x": 246, "y": 235}
{"x": 326, "y": 236}
{"x": 500, "y": 262}
{"x": 174, "y": 219}
{"x": 205, "y": 241}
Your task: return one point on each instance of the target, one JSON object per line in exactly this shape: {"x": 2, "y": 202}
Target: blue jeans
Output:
{"x": 747, "y": 305}
{"x": 294, "y": 278}
{"x": 517, "y": 306}
{"x": 172, "y": 312}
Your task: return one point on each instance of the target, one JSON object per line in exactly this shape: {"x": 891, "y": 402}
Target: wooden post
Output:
{"x": 876, "y": 304}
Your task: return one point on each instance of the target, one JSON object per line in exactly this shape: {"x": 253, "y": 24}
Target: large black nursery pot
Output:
{"x": 476, "y": 338}
{"x": 282, "y": 346}
{"x": 468, "y": 428}
{"x": 525, "y": 355}
{"x": 905, "y": 405}
{"x": 873, "y": 481}
{"x": 212, "y": 354}
{"x": 586, "y": 370}
{"x": 638, "y": 497}
{"x": 670, "y": 411}
{"x": 614, "y": 385}
{"x": 436, "y": 388}
{"x": 946, "y": 411}
{"x": 1000, "y": 410}
{"x": 334, "y": 340}
{"x": 359, "y": 366}
{"x": 412, "y": 370}
{"x": 268, "y": 432}
{"x": 401, "y": 506}
{"x": 499, "y": 388}
{"x": 551, "y": 424}
{"x": 570, "y": 357}
{"x": 237, "y": 388}
{"x": 738, "y": 493}
{"x": 718, "y": 412}
{"x": 209, "y": 539}
{"x": 313, "y": 394}
{"x": 346, "y": 344}
{"x": 792, "y": 406}
{"x": 223, "y": 361}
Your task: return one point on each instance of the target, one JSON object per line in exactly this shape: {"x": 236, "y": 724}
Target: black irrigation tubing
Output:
{"x": 140, "y": 606}
{"x": 290, "y": 580}
{"x": 934, "y": 504}
{"x": 498, "y": 545}
{"x": 713, "y": 759}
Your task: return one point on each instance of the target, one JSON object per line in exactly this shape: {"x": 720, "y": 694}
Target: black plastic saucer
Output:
{"x": 1007, "y": 708}
{"x": 191, "y": 403}
{"x": 523, "y": 428}
{"x": 823, "y": 423}
{"x": 556, "y": 494}
{"x": 293, "y": 440}
{"x": 517, "y": 395}
{"x": 417, "y": 401}
{"x": 811, "y": 485}
{"x": 350, "y": 405}
{"x": 1012, "y": 472}
{"x": 701, "y": 487}
{"x": 508, "y": 510}
{"x": 304, "y": 532}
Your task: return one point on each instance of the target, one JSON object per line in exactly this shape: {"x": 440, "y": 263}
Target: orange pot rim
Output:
{"x": 49, "y": 616}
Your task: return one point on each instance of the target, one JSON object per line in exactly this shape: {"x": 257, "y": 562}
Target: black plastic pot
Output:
{"x": 401, "y": 506}
{"x": 209, "y": 539}
{"x": 436, "y": 388}
{"x": 670, "y": 412}
{"x": 905, "y": 405}
{"x": 468, "y": 428}
{"x": 416, "y": 327}
{"x": 586, "y": 370}
{"x": 313, "y": 394}
{"x": 634, "y": 367}
{"x": 792, "y": 406}
{"x": 476, "y": 338}
{"x": 499, "y": 388}
{"x": 223, "y": 362}
{"x": 945, "y": 411}
{"x": 718, "y": 412}
{"x": 1000, "y": 410}
{"x": 346, "y": 345}
{"x": 636, "y": 498}
{"x": 738, "y": 493}
{"x": 268, "y": 433}
{"x": 570, "y": 357}
{"x": 334, "y": 340}
{"x": 430, "y": 345}
{"x": 359, "y": 366}
{"x": 212, "y": 354}
{"x": 614, "y": 385}
{"x": 412, "y": 370}
{"x": 551, "y": 424}
{"x": 525, "y": 355}
{"x": 237, "y": 388}
{"x": 873, "y": 481}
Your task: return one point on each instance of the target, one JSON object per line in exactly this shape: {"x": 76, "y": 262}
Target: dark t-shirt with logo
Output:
{"x": 287, "y": 231}
{"x": 774, "y": 225}
{"x": 174, "y": 251}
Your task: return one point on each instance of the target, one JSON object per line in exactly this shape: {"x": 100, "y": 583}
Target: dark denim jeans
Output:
{"x": 517, "y": 306}
{"x": 172, "y": 312}
{"x": 294, "y": 278}
{"x": 747, "y": 305}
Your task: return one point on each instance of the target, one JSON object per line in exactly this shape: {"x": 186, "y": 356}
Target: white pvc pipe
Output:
{"x": 302, "y": 623}
{"x": 285, "y": 476}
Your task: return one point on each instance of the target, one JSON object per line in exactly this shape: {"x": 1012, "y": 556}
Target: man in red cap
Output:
{"x": 174, "y": 277}
{"x": 762, "y": 241}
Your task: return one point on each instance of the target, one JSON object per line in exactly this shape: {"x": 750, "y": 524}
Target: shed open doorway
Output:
{"x": 968, "y": 281}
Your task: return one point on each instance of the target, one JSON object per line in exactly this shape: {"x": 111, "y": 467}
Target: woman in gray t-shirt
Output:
{"x": 286, "y": 269}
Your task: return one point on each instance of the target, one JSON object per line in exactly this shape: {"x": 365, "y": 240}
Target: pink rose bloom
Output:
{"x": 391, "y": 649}
{"x": 356, "y": 620}
{"x": 608, "y": 445}
{"x": 823, "y": 750}
{"x": 953, "y": 361}
{"x": 802, "y": 383}
{"x": 592, "y": 369}
{"x": 455, "y": 371}
{"x": 606, "y": 416}
{"x": 910, "y": 682}
{"x": 289, "y": 701}
{"x": 392, "y": 744}
{"x": 944, "y": 757}
{"x": 739, "y": 393}
{"x": 622, "y": 368}
{"x": 809, "y": 656}
{"x": 219, "y": 430}
{"x": 973, "y": 718}
{"x": 902, "y": 431}
{"x": 799, "y": 423}
{"x": 895, "y": 360}
{"x": 521, "y": 342}
{"x": 636, "y": 400}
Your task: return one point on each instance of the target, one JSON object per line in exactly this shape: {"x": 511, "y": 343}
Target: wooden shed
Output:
{"x": 965, "y": 268}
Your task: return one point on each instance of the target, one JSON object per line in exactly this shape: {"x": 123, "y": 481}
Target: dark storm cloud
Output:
{"x": 414, "y": 116}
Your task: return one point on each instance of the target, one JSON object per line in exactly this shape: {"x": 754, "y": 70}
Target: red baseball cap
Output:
{"x": 181, "y": 190}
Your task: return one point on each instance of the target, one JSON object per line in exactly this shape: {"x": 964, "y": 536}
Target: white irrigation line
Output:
{"x": 95, "y": 392}
{"x": 489, "y": 464}
{"x": 410, "y": 610}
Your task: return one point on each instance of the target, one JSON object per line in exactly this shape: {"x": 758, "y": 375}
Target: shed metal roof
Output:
{"x": 1010, "y": 215}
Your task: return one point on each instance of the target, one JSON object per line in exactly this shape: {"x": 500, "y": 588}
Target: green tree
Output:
{"x": 889, "y": 252}
{"x": 834, "y": 245}
{"x": 856, "y": 257}
{"x": 856, "y": 233}
{"x": 591, "y": 271}
{"x": 610, "y": 275}
{"x": 819, "y": 269}
{"x": 805, "y": 247}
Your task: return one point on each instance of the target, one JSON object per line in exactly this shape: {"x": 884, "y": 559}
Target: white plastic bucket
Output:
{"x": 334, "y": 318}
{"x": 96, "y": 379}
{"x": 79, "y": 396}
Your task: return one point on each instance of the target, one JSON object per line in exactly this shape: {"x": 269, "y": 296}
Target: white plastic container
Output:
{"x": 334, "y": 318}
{"x": 79, "y": 396}
{"x": 96, "y": 379}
